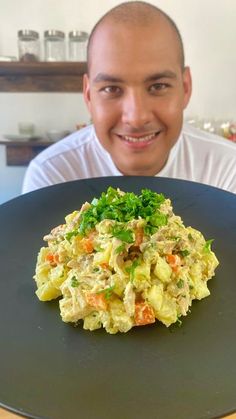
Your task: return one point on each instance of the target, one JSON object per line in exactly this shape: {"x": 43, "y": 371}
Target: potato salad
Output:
{"x": 124, "y": 260}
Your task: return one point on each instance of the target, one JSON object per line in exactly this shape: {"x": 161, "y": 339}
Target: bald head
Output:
{"x": 137, "y": 13}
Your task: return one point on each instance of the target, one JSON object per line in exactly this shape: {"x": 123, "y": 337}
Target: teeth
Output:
{"x": 140, "y": 139}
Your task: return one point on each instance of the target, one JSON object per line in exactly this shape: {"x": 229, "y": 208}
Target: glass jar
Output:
{"x": 54, "y": 45}
{"x": 78, "y": 46}
{"x": 28, "y": 45}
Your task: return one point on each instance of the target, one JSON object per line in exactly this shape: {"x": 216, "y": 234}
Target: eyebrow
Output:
{"x": 100, "y": 77}
{"x": 103, "y": 77}
{"x": 168, "y": 74}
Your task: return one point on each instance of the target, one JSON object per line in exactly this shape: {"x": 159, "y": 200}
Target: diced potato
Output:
{"x": 163, "y": 270}
{"x": 57, "y": 276}
{"x": 211, "y": 262}
{"x": 92, "y": 321}
{"x": 42, "y": 273}
{"x": 47, "y": 292}
{"x": 70, "y": 217}
{"x": 129, "y": 299}
{"x": 200, "y": 288}
{"x": 120, "y": 319}
{"x": 154, "y": 296}
{"x": 120, "y": 282}
{"x": 103, "y": 256}
{"x": 141, "y": 277}
{"x": 196, "y": 270}
{"x": 167, "y": 314}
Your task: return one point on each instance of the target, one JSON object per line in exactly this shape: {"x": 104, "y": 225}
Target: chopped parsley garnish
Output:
{"x": 207, "y": 246}
{"x": 98, "y": 248}
{"x": 119, "y": 232}
{"x": 176, "y": 238}
{"x": 154, "y": 222}
{"x": 184, "y": 252}
{"x": 179, "y": 322}
{"x": 122, "y": 208}
{"x": 74, "y": 282}
{"x": 107, "y": 292}
{"x": 131, "y": 269}
{"x": 69, "y": 235}
{"x": 180, "y": 283}
{"x": 120, "y": 248}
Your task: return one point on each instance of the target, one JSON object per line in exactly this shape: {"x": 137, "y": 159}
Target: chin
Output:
{"x": 139, "y": 170}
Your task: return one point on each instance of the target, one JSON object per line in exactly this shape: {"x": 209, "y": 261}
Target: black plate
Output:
{"x": 50, "y": 369}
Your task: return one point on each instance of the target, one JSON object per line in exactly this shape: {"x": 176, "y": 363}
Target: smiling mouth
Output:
{"x": 139, "y": 139}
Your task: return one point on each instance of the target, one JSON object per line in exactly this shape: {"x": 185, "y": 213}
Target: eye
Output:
{"x": 111, "y": 90}
{"x": 158, "y": 87}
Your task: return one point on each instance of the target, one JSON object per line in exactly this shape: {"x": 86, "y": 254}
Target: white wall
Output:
{"x": 209, "y": 32}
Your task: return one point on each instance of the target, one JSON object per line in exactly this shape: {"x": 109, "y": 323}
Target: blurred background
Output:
{"x": 208, "y": 28}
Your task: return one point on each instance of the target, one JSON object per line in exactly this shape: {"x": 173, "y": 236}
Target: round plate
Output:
{"x": 50, "y": 369}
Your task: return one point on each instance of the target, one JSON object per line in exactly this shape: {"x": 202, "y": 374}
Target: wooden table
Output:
{"x": 4, "y": 414}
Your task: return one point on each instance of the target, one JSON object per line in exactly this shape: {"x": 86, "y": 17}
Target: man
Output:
{"x": 136, "y": 90}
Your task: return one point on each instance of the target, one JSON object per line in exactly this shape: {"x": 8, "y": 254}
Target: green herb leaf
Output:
{"x": 126, "y": 236}
{"x": 158, "y": 219}
{"x": 71, "y": 234}
{"x": 131, "y": 269}
{"x": 184, "y": 252}
{"x": 120, "y": 248}
{"x": 207, "y": 246}
{"x": 180, "y": 283}
{"x": 123, "y": 207}
{"x": 74, "y": 282}
{"x": 98, "y": 248}
{"x": 107, "y": 292}
{"x": 179, "y": 322}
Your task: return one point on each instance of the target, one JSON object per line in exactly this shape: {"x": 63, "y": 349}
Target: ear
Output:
{"x": 187, "y": 85}
{"x": 86, "y": 91}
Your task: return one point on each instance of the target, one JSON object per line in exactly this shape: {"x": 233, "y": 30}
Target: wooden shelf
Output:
{"x": 37, "y": 77}
{"x": 42, "y": 76}
{"x": 19, "y": 153}
{"x": 32, "y": 143}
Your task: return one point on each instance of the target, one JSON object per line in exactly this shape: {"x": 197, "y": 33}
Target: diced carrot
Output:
{"x": 87, "y": 245}
{"x": 138, "y": 236}
{"x": 52, "y": 258}
{"x": 104, "y": 265}
{"x": 97, "y": 301}
{"x": 56, "y": 258}
{"x": 174, "y": 261}
{"x": 144, "y": 314}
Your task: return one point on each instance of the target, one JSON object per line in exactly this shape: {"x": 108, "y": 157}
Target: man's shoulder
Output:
{"x": 75, "y": 141}
{"x": 203, "y": 138}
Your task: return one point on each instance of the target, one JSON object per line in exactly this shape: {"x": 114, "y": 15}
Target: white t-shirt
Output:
{"x": 196, "y": 156}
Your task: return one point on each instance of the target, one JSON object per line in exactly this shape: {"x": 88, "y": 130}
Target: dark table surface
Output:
{"x": 49, "y": 369}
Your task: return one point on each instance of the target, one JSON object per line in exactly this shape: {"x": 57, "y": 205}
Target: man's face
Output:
{"x": 136, "y": 92}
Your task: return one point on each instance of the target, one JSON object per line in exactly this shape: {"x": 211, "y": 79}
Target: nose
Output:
{"x": 136, "y": 110}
